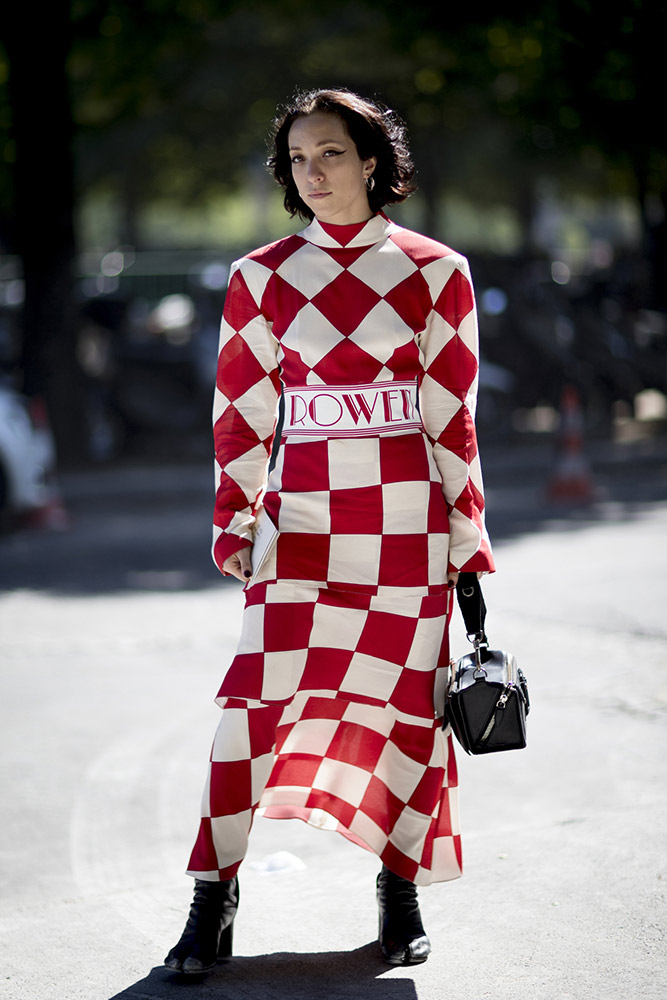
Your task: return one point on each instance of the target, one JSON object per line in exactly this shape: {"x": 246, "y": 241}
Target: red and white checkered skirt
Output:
{"x": 331, "y": 705}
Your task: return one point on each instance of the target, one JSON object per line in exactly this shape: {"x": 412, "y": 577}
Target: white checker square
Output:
{"x": 410, "y": 832}
{"x": 309, "y": 270}
{"x": 311, "y": 335}
{"x": 354, "y": 559}
{"x": 454, "y": 473}
{"x": 353, "y": 462}
{"x": 284, "y": 795}
{"x": 232, "y": 738}
{"x": 438, "y": 558}
{"x": 336, "y": 628}
{"x": 371, "y": 677}
{"x": 426, "y": 644}
{"x": 306, "y": 512}
{"x": 437, "y": 273}
{"x": 230, "y": 837}
{"x": 405, "y": 508}
{"x": 381, "y": 332}
{"x": 398, "y": 772}
{"x": 243, "y": 470}
{"x": 445, "y": 859}
{"x": 310, "y": 736}
{"x": 282, "y": 672}
{"x": 260, "y": 769}
{"x": 252, "y": 630}
{"x": 255, "y": 275}
{"x": 366, "y": 829}
{"x": 383, "y": 267}
{"x": 372, "y": 717}
{"x": 345, "y": 781}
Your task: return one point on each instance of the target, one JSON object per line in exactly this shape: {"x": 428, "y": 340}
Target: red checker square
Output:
{"x": 416, "y": 742}
{"x": 203, "y": 857}
{"x": 306, "y": 467}
{"x": 356, "y": 511}
{"x": 238, "y": 368}
{"x": 403, "y": 459}
{"x": 434, "y": 606}
{"x": 301, "y": 556}
{"x": 287, "y": 626}
{"x": 262, "y": 724}
{"x": 459, "y": 435}
{"x": 323, "y": 708}
{"x": 294, "y": 369}
{"x": 345, "y": 358}
{"x": 296, "y": 769}
{"x": 437, "y": 521}
{"x": 427, "y": 793}
{"x": 404, "y": 561}
{"x": 404, "y": 362}
{"x": 282, "y": 302}
{"x": 231, "y": 783}
{"x": 419, "y": 249}
{"x": 388, "y": 637}
{"x": 341, "y": 810}
{"x": 399, "y": 862}
{"x": 275, "y": 254}
{"x": 325, "y": 669}
{"x": 380, "y": 805}
{"x": 411, "y": 299}
{"x": 452, "y": 771}
{"x": 413, "y": 693}
{"x": 233, "y": 433}
{"x": 240, "y": 306}
{"x": 454, "y": 367}
{"x": 455, "y": 300}
{"x": 244, "y": 677}
{"x": 444, "y": 818}
{"x": 345, "y": 302}
{"x": 357, "y": 745}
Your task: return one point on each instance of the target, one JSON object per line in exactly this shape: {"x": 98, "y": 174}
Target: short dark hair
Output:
{"x": 375, "y": 131}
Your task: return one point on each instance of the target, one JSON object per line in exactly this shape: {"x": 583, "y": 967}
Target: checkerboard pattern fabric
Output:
{"x": 331, "y": 704}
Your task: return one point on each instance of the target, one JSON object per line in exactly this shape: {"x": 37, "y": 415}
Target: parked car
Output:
{"x": 27, "y": 457}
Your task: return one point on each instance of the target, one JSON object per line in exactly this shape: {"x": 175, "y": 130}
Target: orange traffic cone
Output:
{"x": 571, "y": 479}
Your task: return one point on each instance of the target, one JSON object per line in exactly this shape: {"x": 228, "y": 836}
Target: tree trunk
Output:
{"x": 37, "y": 47}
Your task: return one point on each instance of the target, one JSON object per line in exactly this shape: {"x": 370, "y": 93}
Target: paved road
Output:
{"x": 113, "y": 636}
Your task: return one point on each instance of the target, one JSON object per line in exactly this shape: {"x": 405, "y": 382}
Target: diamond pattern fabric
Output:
{"x": 331, "y": 705}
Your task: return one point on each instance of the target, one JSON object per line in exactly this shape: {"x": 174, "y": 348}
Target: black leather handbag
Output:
{"x": 487, "y": 697}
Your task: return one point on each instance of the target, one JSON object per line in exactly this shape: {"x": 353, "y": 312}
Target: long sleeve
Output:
{"x": 244, "y": 410}
{"x": 448, "y": 397}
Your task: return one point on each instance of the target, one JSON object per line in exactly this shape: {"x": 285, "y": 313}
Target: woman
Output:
{"x": 329, "y": 707}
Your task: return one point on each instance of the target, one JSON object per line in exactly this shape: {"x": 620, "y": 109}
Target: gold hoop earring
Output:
{"x": 370, "y": 183}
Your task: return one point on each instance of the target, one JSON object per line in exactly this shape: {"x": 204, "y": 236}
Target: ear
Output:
{"x": 369, "y": 166}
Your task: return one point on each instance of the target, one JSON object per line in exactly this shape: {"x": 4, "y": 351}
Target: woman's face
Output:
{"x": 328, "y": 173}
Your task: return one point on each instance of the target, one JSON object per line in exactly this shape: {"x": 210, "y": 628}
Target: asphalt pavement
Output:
{"x": 113, "y": 636}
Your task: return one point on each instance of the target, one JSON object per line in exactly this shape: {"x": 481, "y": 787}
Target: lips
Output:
{"x": 319, "y": 194}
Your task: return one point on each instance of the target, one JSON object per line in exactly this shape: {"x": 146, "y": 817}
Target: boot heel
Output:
{"x": 225, "y": 944}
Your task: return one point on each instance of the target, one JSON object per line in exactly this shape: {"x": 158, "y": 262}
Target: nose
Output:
{"x": 314, "y": 171}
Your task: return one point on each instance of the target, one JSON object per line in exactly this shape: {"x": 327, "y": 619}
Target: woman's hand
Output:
{"x": 239, "y": 565}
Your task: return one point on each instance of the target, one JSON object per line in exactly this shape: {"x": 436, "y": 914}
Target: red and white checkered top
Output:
{"x": 352, "y": 306}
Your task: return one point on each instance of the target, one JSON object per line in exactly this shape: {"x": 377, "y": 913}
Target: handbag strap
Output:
{"x": 473, "y": 608}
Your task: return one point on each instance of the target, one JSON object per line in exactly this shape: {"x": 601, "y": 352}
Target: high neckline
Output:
{"x": 344, "y": 234}
{"x": 359, "y": 234}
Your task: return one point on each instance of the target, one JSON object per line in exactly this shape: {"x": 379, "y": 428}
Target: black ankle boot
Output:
{"x": 401, "y": 933}
{"x": 208, "y": 932}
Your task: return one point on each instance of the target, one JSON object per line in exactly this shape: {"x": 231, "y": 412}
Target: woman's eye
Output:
{"x": 333, "y": 152}
{"x": 296, "y": 158}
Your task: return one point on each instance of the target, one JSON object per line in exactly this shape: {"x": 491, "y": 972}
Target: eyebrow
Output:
{"x": 325, "y": 142}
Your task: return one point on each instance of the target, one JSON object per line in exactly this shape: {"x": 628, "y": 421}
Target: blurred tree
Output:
{"x": 172, "y": 98}
{"x": 36, "y": 47}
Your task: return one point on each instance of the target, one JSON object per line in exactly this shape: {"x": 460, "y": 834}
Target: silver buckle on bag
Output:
{"x": 476, "y": 639}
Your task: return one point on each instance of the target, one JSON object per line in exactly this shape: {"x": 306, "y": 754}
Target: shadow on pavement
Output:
{"x": 339, "y": 975}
